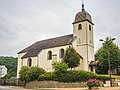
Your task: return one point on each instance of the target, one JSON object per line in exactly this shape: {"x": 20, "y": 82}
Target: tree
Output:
{"x": 24, "y": 74}
{"x": 11, "y": 64}
{"x": 111, "y": 49}
{"x": 72, "y": 58}
{"x": 28, "y": 74}
{"x": 60, "y": 67}
{"x": 60, "y": 70}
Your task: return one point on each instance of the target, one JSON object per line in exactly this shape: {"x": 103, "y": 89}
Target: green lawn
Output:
{"x": 113, "y": 76}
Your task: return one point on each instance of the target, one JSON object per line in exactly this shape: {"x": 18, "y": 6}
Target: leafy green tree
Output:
{"x": 72, "y": 58}
{"x": 110, "y": 51}
{"x": 60, "y": 69}
{"x": 11, "y": 64}
{"x": 28, "y": 74}
{"x": 24, "y": 74}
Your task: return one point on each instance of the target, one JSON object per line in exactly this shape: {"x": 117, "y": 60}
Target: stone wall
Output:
{"x": 12, "y": 82}
{"x": 54, "y": 84}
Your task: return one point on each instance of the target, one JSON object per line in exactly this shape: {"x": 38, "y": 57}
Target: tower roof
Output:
{"x": 82, "y": 16}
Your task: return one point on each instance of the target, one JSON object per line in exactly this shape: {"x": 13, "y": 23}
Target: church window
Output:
{"x": 61, "y": 53}
{"x": 49, "y": 55}
{"x": 90, "y": 27}
{"x": 80, "y": 27}
{"x": 29, "y": 62}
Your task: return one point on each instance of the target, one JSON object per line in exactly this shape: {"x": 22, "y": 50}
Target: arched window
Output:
{"x": 49, "y": 55}
{"x": 29, "y": 62}
{"x": 80, "y": 27}
{"x": 90, "y": 27}
{"x": 61, "y": 53}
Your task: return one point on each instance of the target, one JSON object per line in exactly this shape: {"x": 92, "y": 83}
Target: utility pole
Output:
{"x": 111, "y": 39}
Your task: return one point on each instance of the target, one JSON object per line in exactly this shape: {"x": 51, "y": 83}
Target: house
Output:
{"x": 43, "y": 53}
{"x": 3, "y": 71}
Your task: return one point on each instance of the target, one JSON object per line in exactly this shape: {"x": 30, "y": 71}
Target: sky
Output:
{"x": 23, "y": 22}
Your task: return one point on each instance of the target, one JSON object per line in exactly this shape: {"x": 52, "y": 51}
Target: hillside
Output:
{"x": 11, "y": 64}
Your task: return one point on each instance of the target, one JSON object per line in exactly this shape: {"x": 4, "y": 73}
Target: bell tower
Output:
{"x": 84, "y": 40}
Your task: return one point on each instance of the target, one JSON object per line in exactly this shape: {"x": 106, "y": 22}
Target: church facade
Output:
{"x": 43, "y": 53}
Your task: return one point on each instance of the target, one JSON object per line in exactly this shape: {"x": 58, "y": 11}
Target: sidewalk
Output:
{"x": 100, "y": 88}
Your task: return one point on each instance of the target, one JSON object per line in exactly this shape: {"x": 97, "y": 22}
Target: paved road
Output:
{"x": 12, "y": 88}
{"x": 21, "y": 88}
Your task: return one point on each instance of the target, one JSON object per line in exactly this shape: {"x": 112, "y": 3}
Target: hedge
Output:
{"x": 72, "y": 76}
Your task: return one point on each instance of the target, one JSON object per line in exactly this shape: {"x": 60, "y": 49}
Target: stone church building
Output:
{"x": 43, "y": 53}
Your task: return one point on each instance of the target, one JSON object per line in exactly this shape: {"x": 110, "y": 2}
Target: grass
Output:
{"x": 113, "y": 76}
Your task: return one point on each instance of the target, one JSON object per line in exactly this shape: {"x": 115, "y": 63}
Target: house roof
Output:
{"x": 35, "y": 48}
{"x": 94, "y": 63}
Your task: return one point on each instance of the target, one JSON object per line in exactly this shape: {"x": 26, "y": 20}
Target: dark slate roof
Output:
{"x": 94, "y": 63}
{"x": 35, "y": 48}
{"x": 83, "y": 16}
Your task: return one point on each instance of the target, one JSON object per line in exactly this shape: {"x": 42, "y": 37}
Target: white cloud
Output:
{"x": 23, "y": 22}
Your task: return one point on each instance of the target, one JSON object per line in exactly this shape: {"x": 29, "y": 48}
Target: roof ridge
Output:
{"x": 54, "y": 38}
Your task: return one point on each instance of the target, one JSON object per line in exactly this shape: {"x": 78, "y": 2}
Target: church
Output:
{"x": 43, "y": 53}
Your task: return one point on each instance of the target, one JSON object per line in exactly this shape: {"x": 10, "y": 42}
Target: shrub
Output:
{"x": 103, "y": 78}
{"x": 34, "y": 73}
{"x": 71, "y": 76}
{"x": 80, "y": 76}
{"x": 93, "y": 83}
{"x": 28, "y": 74}
{"x": 60, "y": 70}
{"x": 47, "y": 76}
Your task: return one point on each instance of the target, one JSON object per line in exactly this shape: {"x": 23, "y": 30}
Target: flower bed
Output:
{"x": 93, "y": 83}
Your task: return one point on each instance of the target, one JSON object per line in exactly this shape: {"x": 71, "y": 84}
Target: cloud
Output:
{"x": 23, "y": 22}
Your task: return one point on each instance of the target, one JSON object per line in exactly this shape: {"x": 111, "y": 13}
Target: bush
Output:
{"x": 28, "y": 74}
{"x": 93, "y": 83}
{"x": 46, "y": 76}
{"x": 103, "y": 78}
{"x": 34, "y": 73}
{"x": 60, "y": 70}
{"x": 80, "y": 76}
{"x": 71, "y": 76}
{"x": 77, "y": 76}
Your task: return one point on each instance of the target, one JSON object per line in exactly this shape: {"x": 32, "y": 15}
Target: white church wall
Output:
{"x": 24, "y": 62}
{"x": 20, "y": 63}
{"x": 47, "y": 64}
{"x": 34, "y": 61}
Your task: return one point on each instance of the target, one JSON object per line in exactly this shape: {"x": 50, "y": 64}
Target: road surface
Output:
{"x": 12, "y": 88}
{"x": 21, "y": 88}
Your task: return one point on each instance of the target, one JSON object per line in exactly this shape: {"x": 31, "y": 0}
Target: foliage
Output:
{"x": 11, "y": 64}
{"x": 113, "y": 76}
{"x": 28, "y": 74}
{"x": 60, "y": 69}
{"x": 72, "y": 58}
{"x": 24, "y": 74}
{"x": 47, "y": 76}
{"x": 72, "y": 76}
{"x": 75, "y": 76}
{"x": 93, "y": 83}
{"x": 34, "y": 72}
{"x": 111, "y": 49}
